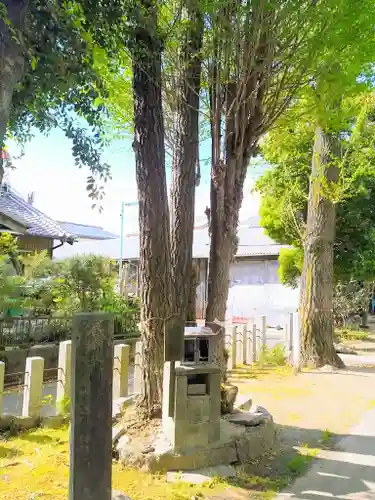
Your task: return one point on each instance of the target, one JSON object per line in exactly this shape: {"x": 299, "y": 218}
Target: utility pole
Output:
{"x": 123, "y": 205}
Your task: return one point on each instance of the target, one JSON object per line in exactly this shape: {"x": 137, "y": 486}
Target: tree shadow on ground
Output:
{"x": 7, "y": 453}
{"x": 334, "y": 473}
{"x": 37, "y": 438}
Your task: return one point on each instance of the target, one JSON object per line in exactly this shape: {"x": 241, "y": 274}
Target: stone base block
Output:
{"x": 237, "y": 444}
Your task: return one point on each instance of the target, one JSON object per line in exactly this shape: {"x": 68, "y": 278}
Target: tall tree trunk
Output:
{"x": 185, "y": 167}
{"x": 316, "y": 301}
{"x": 12, "y": 58}
{"x": 155, "y": 272}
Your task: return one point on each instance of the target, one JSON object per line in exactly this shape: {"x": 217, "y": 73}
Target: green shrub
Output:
{"x": 275, "y": 356}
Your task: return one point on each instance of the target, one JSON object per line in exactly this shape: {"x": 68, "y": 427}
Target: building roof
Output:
{"x": 87, "y": 232}
{"x": 36, "y": 223}
{"x": 253, "y": 242}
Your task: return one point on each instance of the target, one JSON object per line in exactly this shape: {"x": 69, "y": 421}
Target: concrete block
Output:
{"x": 26, "y": 423}
{"x": 54, "y": 422}
{"x": 32, "y": 394}
{"x": 198, "y": 409}
{"x": 64, "y": 377}
{"x": 197, "y": 389}
{"x": 214, "y": 382}
{"x": 121, "y": 371}
{"x": 6, "y": 422}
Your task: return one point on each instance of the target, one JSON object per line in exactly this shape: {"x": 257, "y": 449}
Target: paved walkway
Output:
{"x": 348, "y": 473}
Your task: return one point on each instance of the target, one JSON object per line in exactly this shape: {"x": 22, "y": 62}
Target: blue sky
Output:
{"x": 48, "y": 169}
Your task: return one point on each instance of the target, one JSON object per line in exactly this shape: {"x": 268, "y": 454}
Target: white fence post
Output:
{"x": 2, "y": 374}
{"x": 264, "y": 331}
{"x": 121, "y": 371}
{"x": 64, "y": 377}
{"x": 138, "y": 367}
{"x": 241, "y": 344}
{"x": 231, "y": 345}
{"x": 290, "y": 344}
{"x": 296, "y": 342}
{"x": 248, "y": 339}
{"x": 254, "y": 343}
{"x": 32, "y": 394}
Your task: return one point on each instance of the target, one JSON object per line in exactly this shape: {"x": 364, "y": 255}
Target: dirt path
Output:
{"x": 313, "y": 411}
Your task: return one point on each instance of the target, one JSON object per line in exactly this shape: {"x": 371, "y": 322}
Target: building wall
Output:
{"x": 244, "y": 271}
{"x": 254, "y": 272}
{"x": 33, "y": 244}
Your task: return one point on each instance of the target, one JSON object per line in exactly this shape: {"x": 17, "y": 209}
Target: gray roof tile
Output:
{"x": 38, "y": 224}
{"x": 87, "y": 232}
{"x": 253, "y": 242}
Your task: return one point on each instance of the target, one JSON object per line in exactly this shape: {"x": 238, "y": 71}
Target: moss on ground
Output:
{"x": 35, "y": 464}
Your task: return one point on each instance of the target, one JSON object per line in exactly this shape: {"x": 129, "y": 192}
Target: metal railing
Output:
{"x": 27, "y": 331}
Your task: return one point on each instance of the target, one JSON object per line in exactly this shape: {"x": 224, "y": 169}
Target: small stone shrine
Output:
{"x": 191, "y": 408}
{"x": 194, "y": 434}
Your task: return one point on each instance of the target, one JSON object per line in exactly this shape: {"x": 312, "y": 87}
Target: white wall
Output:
{"x": 253, "y": 272}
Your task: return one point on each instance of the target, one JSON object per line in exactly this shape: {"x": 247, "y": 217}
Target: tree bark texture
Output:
{"x": 155, "y": 272}
{"x": 12, "y": 58}
{"x": 185, "y": 167}
{"x": 316, "y": 301}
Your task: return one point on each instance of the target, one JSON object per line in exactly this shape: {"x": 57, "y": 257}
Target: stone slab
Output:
{"x": 201, "y": 476}
{"x": 249, "y": 419}
{"x": 118, "y": 431}
{"x": 119, "y": 405}
{"x": 237, "y": 444}
{"x": 243, "y": 402}
{"x": 117, "y": 495}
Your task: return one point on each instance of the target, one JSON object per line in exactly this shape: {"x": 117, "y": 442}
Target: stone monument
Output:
{"x": 91, "y": 408}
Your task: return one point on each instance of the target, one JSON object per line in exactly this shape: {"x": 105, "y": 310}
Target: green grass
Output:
{"x": 326, "y": 436}
{"x": 275, "y": 356}
{"x": 35, "y": 464}
{"x": 349, "y": 334}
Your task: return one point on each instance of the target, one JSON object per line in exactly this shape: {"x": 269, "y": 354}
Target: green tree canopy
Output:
{"x": 56, "y": 78}
{"x": 284, "y": 189}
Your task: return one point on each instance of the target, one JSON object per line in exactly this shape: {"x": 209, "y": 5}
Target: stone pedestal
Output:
{"x": 193, "y": 420}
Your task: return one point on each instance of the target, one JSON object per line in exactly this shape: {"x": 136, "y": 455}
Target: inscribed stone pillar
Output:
{"x": 91, "y": 410}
